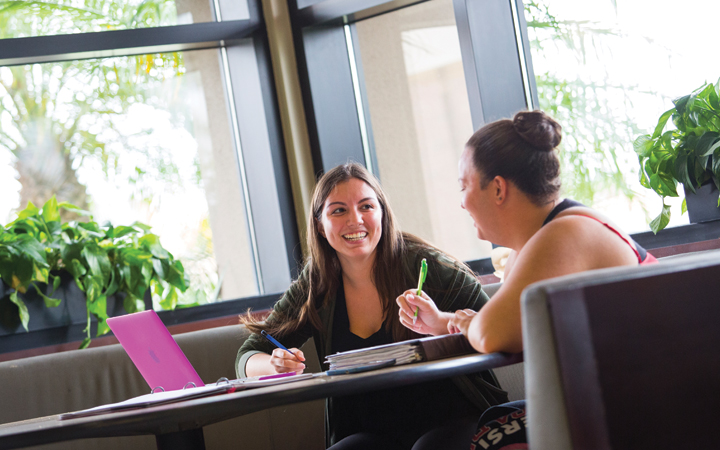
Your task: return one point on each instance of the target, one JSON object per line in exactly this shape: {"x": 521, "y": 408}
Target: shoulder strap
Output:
{"x": 560, "y": 207}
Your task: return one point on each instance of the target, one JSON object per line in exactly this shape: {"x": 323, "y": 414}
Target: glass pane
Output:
{"x": 420, "y": 120}
{"x": 50, "y": 17}
{"x": 607, "y": 71}
{"x": 143, "y": 138}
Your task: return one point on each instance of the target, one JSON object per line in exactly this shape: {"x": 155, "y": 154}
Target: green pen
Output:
{"x": 423, "y": 274}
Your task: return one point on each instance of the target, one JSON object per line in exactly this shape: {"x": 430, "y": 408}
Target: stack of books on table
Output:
{"x": 404, "y": 352}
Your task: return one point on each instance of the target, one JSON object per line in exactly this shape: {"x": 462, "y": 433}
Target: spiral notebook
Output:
{"x": 404, "y": 352}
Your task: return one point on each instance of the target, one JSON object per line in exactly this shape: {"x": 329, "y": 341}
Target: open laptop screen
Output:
{"x": 153, "y": 350}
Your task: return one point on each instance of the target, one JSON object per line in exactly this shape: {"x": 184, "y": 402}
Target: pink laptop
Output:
{"x": 153, "y": 350}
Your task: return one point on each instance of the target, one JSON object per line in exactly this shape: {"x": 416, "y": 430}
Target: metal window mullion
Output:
{"x": 102, "y": 44}
{"x": 521, "y": 55}
{"x": 242, "y": 170}
{"x": 362, "y": 119}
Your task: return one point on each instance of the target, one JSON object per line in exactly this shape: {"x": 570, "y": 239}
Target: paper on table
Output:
{"x": 161, "y": 398}
{"x": 269, "y": 380}
{"x": 157, "y": 398}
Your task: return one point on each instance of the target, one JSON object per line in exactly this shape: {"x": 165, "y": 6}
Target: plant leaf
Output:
{"x": 643, "y": 179}
{"x": 56, "y": 283}
{"x": 142, "y": 226}
{"x": 99, "y": 309}
{"x": 643, "y": 145}
{"x": 50, "y": 211}
{"x": 30, "y": 247}
{"x": 85, "y": 343}
{"x": 113, "y": 286}
{"x": 130, "y": 304}
{"x": 662, "y": 122}
{"x": 78, "y": 268}
{"x": 713, "y": 99}
{"x": 176, "y": 276}
{"x": 29, "y": 211}
{"x": 662, "y": 220}
{"x": 49, "y": 302}
{"x": 680, "y": 103}
{"x": 716, "y": 166}
{"x": 680, "y": 170}
{"x": 98, "y": 262}
{"x": 121, "y": 231}
{"x": 707, "y": 143}
{"x": 683, "y": 207}
{"x": 663, "y": 185}
{"x": 22, "y": 309}
{"x": 74, "y": 209}
{"x": 158, "y": 267}
{"x": 152, "y": 242}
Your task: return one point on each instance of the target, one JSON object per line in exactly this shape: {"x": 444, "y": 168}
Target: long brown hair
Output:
{"x": 323, "y": 270}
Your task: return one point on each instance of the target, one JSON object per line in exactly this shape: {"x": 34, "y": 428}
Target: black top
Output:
{"x": 404, "y": 413}
{"x": 567, "y": 203}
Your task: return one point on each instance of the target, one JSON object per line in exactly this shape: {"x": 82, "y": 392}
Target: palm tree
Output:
{"x": 55, "y": 116}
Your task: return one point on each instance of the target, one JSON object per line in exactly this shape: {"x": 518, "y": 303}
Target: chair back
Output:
{"x": 625, "y": 358}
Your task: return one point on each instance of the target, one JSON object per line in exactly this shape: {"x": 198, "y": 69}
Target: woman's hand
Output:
{"x": 283, "y": 361}
{"x": 430, "y": 319}
{"x": 460, "y": 321}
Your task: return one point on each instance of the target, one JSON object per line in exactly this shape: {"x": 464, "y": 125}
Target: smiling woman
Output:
{"x": 351, "y": 221}
{"x": 345, "y": 299}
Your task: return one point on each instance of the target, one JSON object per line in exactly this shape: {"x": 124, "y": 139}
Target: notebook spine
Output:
{"x": 447, "y": 346}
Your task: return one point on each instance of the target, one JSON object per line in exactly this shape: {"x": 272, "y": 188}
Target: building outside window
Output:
{"x": 420, "y": 120}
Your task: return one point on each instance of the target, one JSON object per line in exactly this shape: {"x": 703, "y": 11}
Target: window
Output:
{"x": 53, "y": 17}
{"x": 184, "y": 141}
{"x": 401, "y": 86}
{"x": 420, "y": 119}
{"x": 607, "y": 71}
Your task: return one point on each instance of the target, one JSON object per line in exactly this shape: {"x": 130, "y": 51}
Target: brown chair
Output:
{"x": 625, "y": 358}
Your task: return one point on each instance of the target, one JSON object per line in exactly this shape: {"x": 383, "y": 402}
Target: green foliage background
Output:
{"x": 103, "y": 260}
{"x": 59, "y": 117}
{"x": 595, "y": 153}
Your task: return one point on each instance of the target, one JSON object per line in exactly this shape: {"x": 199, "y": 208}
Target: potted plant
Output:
{"x": 688, "y": 154}
{"x": 38, "y": 252}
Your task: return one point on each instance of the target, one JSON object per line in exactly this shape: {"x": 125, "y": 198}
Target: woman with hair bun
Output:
{"x": 510, "y": 179}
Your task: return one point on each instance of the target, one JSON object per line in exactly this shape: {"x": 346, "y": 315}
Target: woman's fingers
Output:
{"x": 298, "y": 353}
{"x": 460, "y": 321}
{"x": 403, "y": 304}
{"x": 284, "y": 361}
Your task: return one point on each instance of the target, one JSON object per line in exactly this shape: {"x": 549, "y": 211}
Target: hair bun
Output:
{"x": 538, "y": 129}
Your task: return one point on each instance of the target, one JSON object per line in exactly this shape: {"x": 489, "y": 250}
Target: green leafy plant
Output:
{"x": 103, "y": 260}
{"x": 689, "y": 154}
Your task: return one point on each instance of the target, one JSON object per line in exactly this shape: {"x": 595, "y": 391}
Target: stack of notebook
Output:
{"x": 405, "y": 352}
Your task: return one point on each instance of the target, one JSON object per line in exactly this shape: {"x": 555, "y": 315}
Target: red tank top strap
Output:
{"x": 640, "y": 260}
{"x": 649, "y": 259}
